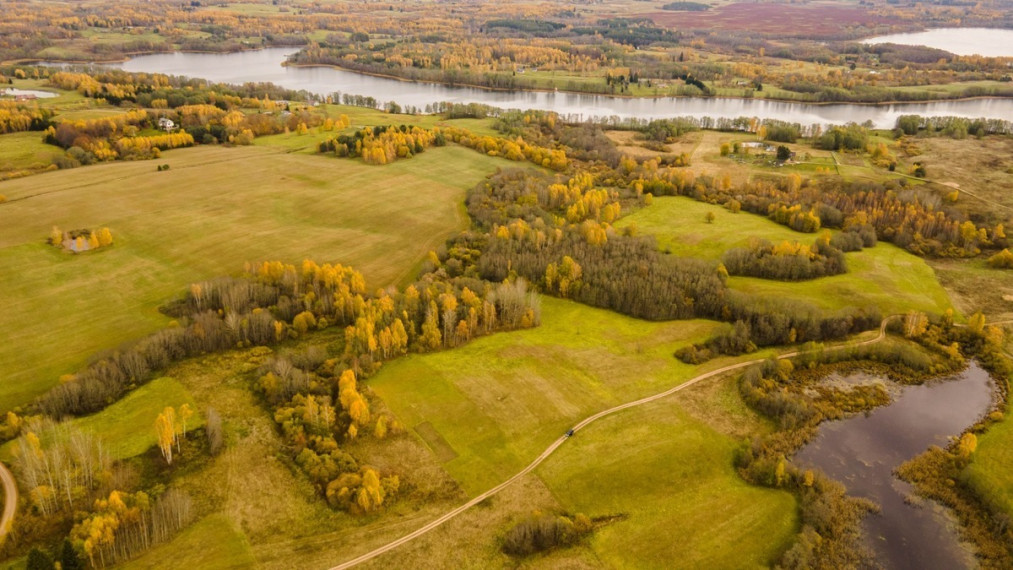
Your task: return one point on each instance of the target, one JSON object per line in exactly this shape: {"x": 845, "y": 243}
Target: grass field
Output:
{"x": 25, "y": 152}
{"x": 884, "y": 276}
{"x": 521, "y": 390}
{"x": 990, "y": 474}
{"x": 672, "y": 475}
{"x": 976, "y": 287}
{"x": 213, "y": 542}
{"x": 663, "y": 464}
{"x": 360, "y": 117}
{"x": 215, "y": 209}
{"x": 127, "y": 426}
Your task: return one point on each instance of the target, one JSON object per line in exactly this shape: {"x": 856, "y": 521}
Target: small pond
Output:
{"x": 13, "y": 92}
{"x": 862, "y": 451}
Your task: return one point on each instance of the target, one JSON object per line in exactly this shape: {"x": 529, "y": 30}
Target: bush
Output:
{"x": 1001, "y": 260}
{"x": 545, "y": 532}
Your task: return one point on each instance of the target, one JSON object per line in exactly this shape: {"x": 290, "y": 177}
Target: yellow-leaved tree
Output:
{"x": 165, "y": 427}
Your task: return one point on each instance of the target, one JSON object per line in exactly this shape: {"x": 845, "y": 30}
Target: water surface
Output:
{"x": 266, "y": 65}
{"x": 862, "y": 451}
{"x": 12, "y": 91}
{"x": 990, "y": 42}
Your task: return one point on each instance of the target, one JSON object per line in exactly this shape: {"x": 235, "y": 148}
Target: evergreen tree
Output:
{"x": 68, "y": 557}
{"x": 39, "y": 560}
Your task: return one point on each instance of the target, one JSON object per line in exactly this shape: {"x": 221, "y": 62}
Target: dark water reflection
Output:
{"x": 862, "y": 451}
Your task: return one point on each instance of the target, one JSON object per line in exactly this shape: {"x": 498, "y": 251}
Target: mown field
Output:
{"x": 884, "y": 275}
{"x": 213, "y": 210}
{"x": 667, "y": 466}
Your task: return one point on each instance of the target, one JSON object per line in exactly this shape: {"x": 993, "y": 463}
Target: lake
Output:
{"x": 266, "y": 65}
{"x": 990, "y": 42}
{"x": 862, "y": 451}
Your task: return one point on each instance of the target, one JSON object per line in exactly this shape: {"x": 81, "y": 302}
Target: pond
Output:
{"x": 13, "y": 92}
{"x": 266, "y": 65}
{"x": 989, "y": 42}
{"x": 862, "y": 451}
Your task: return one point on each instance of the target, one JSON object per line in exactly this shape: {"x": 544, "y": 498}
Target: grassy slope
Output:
{"x": 884, "y": 276}
{"x": 991, "y": 472}
{"x": 663, "y": 465}
{"x": 672, "y": 476}
{"x": 128, "y": 425}
{"x": 216, "y": 208}
{"x": 212, "y": 542}
{"x": 25, "y": 151}
{"x": 521, "y": 390}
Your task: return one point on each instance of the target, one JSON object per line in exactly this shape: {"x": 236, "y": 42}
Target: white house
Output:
{"x": 166, "y": 124}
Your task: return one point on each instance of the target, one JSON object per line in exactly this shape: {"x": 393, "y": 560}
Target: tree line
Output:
{"x": 786, "y": 261}
{"x": 383, "y": 145}
{"x": 556, "y": 234}
{"x": 16, "y": 117}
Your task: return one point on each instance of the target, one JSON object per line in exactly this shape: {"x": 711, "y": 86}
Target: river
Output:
{"x": 862, "y": 451}
{"x": 989, "y": 42}
{"x": 266, "y": 65}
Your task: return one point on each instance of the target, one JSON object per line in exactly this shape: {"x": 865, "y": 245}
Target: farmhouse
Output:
{"x": 166, "y": 124}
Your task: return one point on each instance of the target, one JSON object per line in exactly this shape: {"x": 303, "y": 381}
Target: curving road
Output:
{"x": 10, "y": 500}
{"x": 555, "y": 445}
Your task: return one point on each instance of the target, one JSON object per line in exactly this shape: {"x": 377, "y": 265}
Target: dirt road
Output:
{"x": 556, "y": 444}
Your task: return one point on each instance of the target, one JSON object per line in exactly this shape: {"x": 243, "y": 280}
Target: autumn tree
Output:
{"x": 185, "y": 413}
{"x": 105, "y": 237}
{"x": 165, "y": 428}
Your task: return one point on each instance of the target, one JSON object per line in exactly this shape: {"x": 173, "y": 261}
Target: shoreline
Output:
{"x": 646, "y": 97}
{"x": 128, "y": 56}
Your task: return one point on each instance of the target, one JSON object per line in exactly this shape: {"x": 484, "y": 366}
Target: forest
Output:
{"x": 253, "y": 326}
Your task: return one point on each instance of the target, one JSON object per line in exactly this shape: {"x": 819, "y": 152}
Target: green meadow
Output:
{"x": 213, "y": 210}
{"x": 884, "y": 276}
{"x": 667, "y": 465}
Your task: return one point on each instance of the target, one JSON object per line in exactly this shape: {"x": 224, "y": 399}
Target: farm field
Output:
{"x": 194, "y": 222}
{"x": 520, "y": 390}
{"x": 825, "y": 19}
{"x": 884, "y": 275}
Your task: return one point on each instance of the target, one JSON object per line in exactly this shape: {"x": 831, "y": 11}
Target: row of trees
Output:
{"x": 17, "y": 117}
{"x": 383, "y": 145}
{"x": 955, "y": 127}
{"x": 112, "y": 138}
{"x": 122, "y": 525}
{"x": 516, "y": 150}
